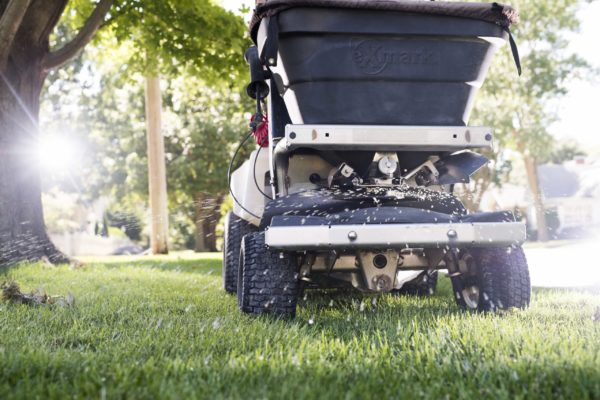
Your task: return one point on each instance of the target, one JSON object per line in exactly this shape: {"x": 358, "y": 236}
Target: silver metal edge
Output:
{"x": 387, "y": 137}
{"x": 388, "y": 236}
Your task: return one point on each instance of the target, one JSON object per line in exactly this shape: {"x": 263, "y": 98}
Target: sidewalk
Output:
{"x": 575, "y": 264}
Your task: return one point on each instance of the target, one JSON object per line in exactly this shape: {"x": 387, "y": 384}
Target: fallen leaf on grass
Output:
{"x": 11, "y": 293}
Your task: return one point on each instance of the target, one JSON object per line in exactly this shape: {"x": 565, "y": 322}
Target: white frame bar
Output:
{"x": 389, "y": 236}
{"x": 387, "y": 138}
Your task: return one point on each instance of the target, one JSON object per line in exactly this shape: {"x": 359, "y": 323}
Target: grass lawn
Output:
{"x": 164, "y": 328}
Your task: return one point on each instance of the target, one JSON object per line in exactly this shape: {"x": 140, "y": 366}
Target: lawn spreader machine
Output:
{"x": 361, "y": 124}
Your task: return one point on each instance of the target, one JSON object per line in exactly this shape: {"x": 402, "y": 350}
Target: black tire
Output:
{"x": 423, "y": 285}
{"x": 267, "y": 280}
{"x": 235, "y": 230}
{"x": 498, "y": 280}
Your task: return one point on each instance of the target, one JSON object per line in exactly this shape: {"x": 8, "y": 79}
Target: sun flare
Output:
{"x": 57, "y": 153}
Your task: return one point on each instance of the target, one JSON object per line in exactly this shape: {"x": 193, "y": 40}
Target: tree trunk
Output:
{"x": 23, "y": 235}
{"x": 207, "y": 215}
{"x": 157, "y": 176}
{"x": 25, "y": 57}
{"x": 538, "y": 201}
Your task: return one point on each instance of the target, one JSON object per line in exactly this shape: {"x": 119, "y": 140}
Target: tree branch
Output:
{"x": 9, "y": 25}
{"x": 68, "y": 51}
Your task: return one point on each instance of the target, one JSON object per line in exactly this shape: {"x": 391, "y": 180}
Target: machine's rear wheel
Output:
{"x": 489, "y": 279}
{"x": 235, "y": 229}
{"x": 267, "y": 280}
{"x": 423, "y": 285}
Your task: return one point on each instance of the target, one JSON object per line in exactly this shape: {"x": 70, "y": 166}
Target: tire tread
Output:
{"x": 269, "y": 279}
{"x": 504, "y": 278}
{"x": 235, "y": 230}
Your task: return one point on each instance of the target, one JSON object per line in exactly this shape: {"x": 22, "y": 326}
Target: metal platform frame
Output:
{"x": 396, "y": 236}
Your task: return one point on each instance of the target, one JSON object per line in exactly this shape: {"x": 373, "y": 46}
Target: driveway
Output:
{"x": 574, "y": 264}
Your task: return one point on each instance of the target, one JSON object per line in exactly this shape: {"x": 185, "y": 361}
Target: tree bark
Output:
{"x": 10, "y": 20}
{"x": 538, "y": 200}
{"x": 157, "y": 175}
{"x": 207, "y": 215}
{"x": 86, "y": 33}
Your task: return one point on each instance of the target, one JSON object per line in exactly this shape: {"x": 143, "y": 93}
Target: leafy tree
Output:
{"x": 517, "y": 108}
{"x": 167, "y": 35}
{"x": 209, "y": 123}
{"x": 202, "y": 124}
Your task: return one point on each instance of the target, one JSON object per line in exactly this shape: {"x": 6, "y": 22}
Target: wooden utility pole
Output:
{"x": 157, "y": 174}
{"x": 538, "y": 199}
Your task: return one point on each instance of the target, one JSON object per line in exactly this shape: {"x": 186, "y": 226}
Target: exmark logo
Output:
{"x": 373, "y": 56}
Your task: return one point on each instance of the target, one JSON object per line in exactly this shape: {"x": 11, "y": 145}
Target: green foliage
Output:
{"x": 517, "y": 107}
{"x": 169, "y": 36}
{"x": 118, "y": 134}
{"x": 205, "y": 125}
{"x": 197, "y": 47}
{"x": 164, "y": 328}
{"x": 104, "y": 108}
{"x": 126, "y": 222}
{"x": 62, "y": 212}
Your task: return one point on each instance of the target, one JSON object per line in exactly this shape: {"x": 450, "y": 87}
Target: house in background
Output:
{"x": 571, "y": 197}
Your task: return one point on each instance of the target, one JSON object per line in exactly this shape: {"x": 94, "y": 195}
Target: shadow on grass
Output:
{"x": 339, "y": 310}
{"x": 346, "y": 313}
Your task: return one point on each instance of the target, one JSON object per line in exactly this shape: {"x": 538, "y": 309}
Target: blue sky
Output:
{"x": 579, "y": 111}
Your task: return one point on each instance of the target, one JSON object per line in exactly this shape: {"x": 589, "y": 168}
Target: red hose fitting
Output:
{"x": 261, "y": 133}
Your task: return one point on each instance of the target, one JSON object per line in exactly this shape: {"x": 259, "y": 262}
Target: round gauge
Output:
{"x": 387, "y": 165}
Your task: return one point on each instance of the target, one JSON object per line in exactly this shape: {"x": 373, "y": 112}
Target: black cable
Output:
{"x": 237, "y": 150}
{"x": 254, "y": 173}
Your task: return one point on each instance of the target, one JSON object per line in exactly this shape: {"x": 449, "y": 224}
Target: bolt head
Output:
{"x": 352, "y": 235}
{"x": 452, "y": 233}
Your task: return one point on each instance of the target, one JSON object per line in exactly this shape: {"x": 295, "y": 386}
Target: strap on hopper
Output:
{"x": 511, "y": 40}
{"x": 515, "y": 50}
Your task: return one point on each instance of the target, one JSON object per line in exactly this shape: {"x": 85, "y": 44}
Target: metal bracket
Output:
{"x": 387, "y": 138}
{"x": 379, "y": 276}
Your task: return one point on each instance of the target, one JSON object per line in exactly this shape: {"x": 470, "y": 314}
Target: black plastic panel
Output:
{"x": 381, "y": 68}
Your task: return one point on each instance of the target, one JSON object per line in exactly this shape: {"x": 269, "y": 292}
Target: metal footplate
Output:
{"x": 389, "y": 236}
{"x": 387, "y": 138}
